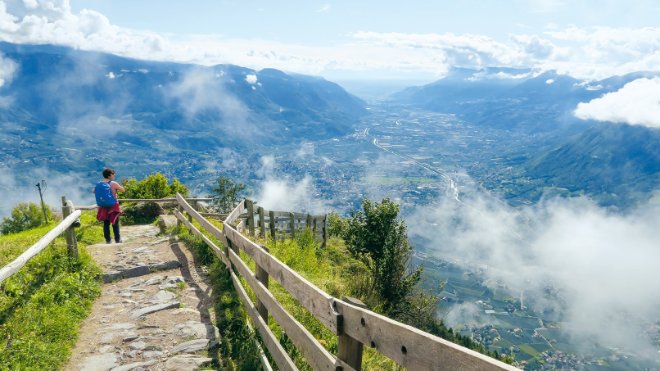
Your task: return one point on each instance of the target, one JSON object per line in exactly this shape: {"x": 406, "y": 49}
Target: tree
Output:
{"x": 377, "y": 238}
{"x": 226, "y": 194}
{"x": 24, "y": 216}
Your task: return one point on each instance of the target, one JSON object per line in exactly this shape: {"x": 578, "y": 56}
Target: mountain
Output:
{"x": 508, "y": 98}
{"x": 548, "y": 147}
{"x": 619, "y": 163}
{"x": 75, "y": 111}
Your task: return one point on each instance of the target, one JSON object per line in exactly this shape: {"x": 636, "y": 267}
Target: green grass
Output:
{"x": 331, "y": 269}
{"x": 44, "y": 303}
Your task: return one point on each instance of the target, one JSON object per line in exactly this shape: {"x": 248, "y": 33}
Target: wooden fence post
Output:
{"x": 178, "y": 222}
{"x": 250, "y": 216}
{"x": 262, "y": 276}
{"x": 292, "y": 222}
{"x": 271, "y": 224}
{"x": 262, "y": 222}
{"x": 194, "y": 206}
{"x": 350, "y": 350}
{"x": 325, "y": 231}
{"x": 70, "y": 234}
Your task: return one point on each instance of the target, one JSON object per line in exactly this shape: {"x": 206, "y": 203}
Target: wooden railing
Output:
{"x": 67, "y": 225}
{"x": 354, "y": 325}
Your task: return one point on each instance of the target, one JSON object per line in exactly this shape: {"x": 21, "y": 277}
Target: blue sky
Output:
{"x": 360, "y": 40}
{"x": 319, "y": 23}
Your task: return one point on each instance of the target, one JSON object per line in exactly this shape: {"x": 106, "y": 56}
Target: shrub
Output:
{"x": 337, "y": 226}
{"x": 145, "y": 213}
{"x": 154, "y": 186}
{"x": 23, "y": 217}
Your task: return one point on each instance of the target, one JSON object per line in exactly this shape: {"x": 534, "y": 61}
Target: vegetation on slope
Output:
{"x": 334, "y": 269}
{"x": 44, "y": 303}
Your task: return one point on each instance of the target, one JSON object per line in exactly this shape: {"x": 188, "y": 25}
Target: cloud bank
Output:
{"x": 589, "y": 53}
{"x": 637, "y": 103}
{"x": 57, "y": 185}
{"x": 282, "y": 193}
{"x": 602, "y": 266}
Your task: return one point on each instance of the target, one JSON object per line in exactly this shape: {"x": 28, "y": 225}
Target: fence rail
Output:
{"x": 354, "y": 325}
{"x": 66, "y": 225}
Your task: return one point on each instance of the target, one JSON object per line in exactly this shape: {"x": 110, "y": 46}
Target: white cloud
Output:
{"x": 57, "y": 185}
{"x": 603, "y": 266}
{"x": 280, "y": 192}
{"x": 637, "y": 103}
{"x": 7, "y": 69}
{"x": 251, "y": 79}
{"x": 589, "y": 53}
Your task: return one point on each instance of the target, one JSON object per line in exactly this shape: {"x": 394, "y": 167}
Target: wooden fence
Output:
{"x": 67, "y": 226}
{"x": 354, "y": 325}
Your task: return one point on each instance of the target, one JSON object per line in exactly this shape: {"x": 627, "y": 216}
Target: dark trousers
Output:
{"x": 115, "y": 230}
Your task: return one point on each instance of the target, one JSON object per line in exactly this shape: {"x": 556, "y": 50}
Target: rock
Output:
{"x": 122, "y": 326}
{"x": 192, "y": 329}
{"x": 163, "y": 297}
{"x": 187, "y": 310}
{"x": 164, "y": 266}
{"x": 152, "y": 354}
{"x": 108, "y": 338}
{"x": 185, "y": 362}
{"x": 106, "y": 348}
{"x": 111, "y": 276}
{"x": 166, "y": 222}
{"x": 137, "y": 345}
{"x": 100, "y": 362}
{"x": 130, "y": 337}
{"x": 132, "y": 366}
{"x": 136, "y": 271}
{"x": 154, "y": 308}
{"x": 191, "y": 346}
{"x": 153, "y": 281}
{"x": 170, "y": 282}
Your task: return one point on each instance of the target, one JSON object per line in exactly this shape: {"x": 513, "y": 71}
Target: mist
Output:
{"x": 278, "y": 191}
{"x": 602, "y": 267}
{"x": 18, "y": 189}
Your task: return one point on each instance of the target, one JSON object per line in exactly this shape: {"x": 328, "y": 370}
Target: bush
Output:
{"x": 145, "y": 213}
{"x": 337, "y": 226}
{"x": 23, "y": 217}
{"x": 154, "y": 186}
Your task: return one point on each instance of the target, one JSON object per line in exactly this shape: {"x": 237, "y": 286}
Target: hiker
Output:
{"x": 107, "y": 200}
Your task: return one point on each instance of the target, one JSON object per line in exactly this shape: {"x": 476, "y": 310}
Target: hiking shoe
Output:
{"x": 120, "y": 241}
{"x": 108, "y": 241}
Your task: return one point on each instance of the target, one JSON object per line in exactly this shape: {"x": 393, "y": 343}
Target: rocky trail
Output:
{"x": 155, "y": 309}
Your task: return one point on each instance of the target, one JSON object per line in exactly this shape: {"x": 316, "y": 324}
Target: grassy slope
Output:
{"x": 42, "y": 306}
{"x": 331, "y": 269}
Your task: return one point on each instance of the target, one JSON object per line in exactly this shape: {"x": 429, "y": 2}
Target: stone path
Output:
{"x": 155, "y": 311}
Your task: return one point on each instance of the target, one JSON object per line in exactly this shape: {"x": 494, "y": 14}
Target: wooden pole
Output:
{"x": 271, "y": 224}
{"x": 262, "y": 276}
{"x": 250, "y": 216}
{"x": 70, "y": 233}
{"x": 13, "y": 267}
{"x": 350, "y": 349}
{"x": 292, "y": 222}
{"x": 262, "y": 222}
{"x": 325, "y": 231}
